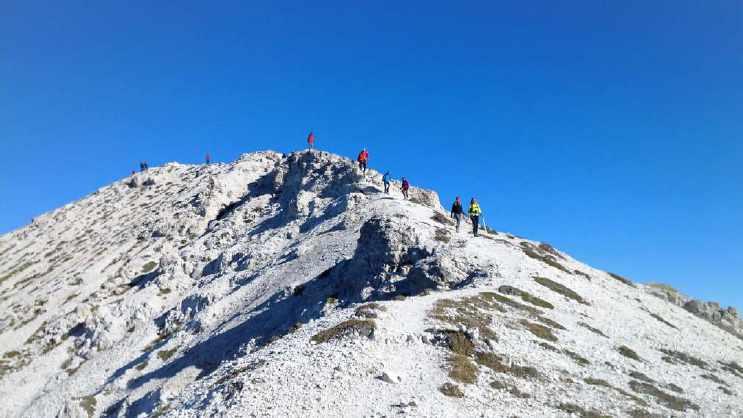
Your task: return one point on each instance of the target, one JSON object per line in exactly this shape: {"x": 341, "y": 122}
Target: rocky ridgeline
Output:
{"x": 725, "y": 318}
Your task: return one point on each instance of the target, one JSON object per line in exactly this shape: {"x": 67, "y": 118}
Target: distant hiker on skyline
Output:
{"x": 208, "y": 159}
{"x": 405, "y": 187}
{"x": 363, "y": 160}
{"x": 311, "y": 140}
{"x": 475, "y": 213}
{"x": 386, "y": 181}
{"x": 457, "y": 211}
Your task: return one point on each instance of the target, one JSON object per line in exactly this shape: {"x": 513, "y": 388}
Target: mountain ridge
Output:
{"x": 200, "y": 290}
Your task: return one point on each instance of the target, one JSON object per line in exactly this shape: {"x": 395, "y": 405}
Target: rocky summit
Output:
{"x": 290, "y": 285}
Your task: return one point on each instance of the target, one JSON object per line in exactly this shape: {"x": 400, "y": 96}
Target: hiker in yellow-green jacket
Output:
{"x": 475, "y": 213}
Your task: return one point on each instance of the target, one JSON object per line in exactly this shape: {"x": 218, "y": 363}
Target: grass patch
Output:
{"x": 629, "y": 353}
{"x": 663, "y": 398}
{"x": 560, "y": 289}
{"x": 362, "y": 327}
{"x": 577, "y": 358}
{"x": 141, "y": 366}
{"x": 592, "y": 329}
{"x": 495, "y": 363}
{"x": 550, "y": 323}
{"x": 88, "y": 405}
{"x": 165, "y": 355}
{"x": 538, "y": 254}
{"x": 604, "y": 383}
{"x": 494, "y": 297}
{"x": 451, "y": 390}
{"x": 539, "y": 331}
{"x": 442, "y": 219}
{"x": 679, "y": 357}
{"x": 715, "y": 379}
{"x": 469, "y": 312}
{"x": 660, "y": 319}
{"x": 640, "y": 376}
{"x": 462, "y": 369}
{"x": 525, "y": 296}
{"x": 619, "y": 278}
{"x": 17, "y": 270}
{"x": 151, "y": 265}
{"x": 369, "y": 310}
{"x": 513, "y": 390}
{"x": 733, "y": 368}
{"x": 442, "y": 235}
{"x": 574, "y": 409}
{"x": 580, "y": 273}
{"x": 641, "y": 413}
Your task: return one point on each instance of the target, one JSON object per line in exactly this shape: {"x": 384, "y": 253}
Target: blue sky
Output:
{"x": 610, "y": 129}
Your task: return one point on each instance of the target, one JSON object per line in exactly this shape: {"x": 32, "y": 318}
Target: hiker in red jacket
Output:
{"x": 363, "y": 160}
{"x": 311, "y": 140}
{"x": 405, "y": 187}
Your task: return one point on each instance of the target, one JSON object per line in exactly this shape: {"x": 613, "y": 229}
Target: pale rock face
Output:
{"x": 291, "y": 286}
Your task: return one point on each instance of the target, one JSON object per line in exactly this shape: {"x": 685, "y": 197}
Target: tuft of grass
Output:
{"x": 629, "y": 353}
{"x": 470, "y": 313}
{"x": 151, "y": 265}
{"x": 442, "y": 235}
{"x": 641, "y": 413}
{"x": 496, "y": 298}
{"x": 165, "y": 355}
{"x": 17, "y": 270}
{"x": 538, "y": 254}
{"x": 663, "y": 398}
{"x": 715, "y": 379}
{"x": 550, "y": 323}
{"x": 451, "y": 390}
{"x": 660, "y": 319}
{"x": 369, "y": 310}
{"x": 513, "y": 390}
{"x": 539, "y": 331}
{"x": 676, "y": 357}
{"x": 583, "y": 274}
{"x": 624, "y": 280}
{"x": 525, "y": 296}
{"x": 640, "y": 376}
{"x": 442, "y": 219}
{"x": 663, "y": 286}
{"x": 576, "y": 357}
{"x": 88, "y": 405}
{"x": 592, "y": 329}
{"x": 574, "y": 409}
{"x": 733, "y": 368}
{"x": 560, "y": 289}
{"x": 604, "y": 383}
{"x": 462, "y": 369}
{"x": 363, "y": 327}
{"x": 459, "y": 343}
{"x": 495, "y": 363}
{"x": 141, "y": 366}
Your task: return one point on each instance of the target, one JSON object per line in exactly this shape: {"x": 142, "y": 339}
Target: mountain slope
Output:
{"x": 290, "y": 285}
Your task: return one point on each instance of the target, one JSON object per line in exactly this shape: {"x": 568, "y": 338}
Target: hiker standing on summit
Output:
{"x": 363, "y": 160}
{"x": 457, "y": 211}
{"x": 475, "y": 213}
{"x": 311, "y": 140}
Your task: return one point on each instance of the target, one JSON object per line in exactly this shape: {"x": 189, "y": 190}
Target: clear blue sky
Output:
{"x": 612, "y": 130}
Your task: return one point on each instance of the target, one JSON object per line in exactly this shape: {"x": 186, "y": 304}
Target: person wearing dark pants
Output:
{"x": 457, "y": 212}
{"x": 386, "y": 181}
{"x": 475, "y": 213}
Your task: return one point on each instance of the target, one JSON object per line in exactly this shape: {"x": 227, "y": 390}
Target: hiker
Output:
{"x": 405, "y": 187}
{"x": 145, "y": 165}
{"x": 363, "y": 160}
{"x": 141, "y": 166}
{"x": 457, "y": 212}
{"x": 208, "y": 159}
{"x": 475, "y": 213}
{"x": 386, "y": 181}
{"x": 311, "y": 140}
